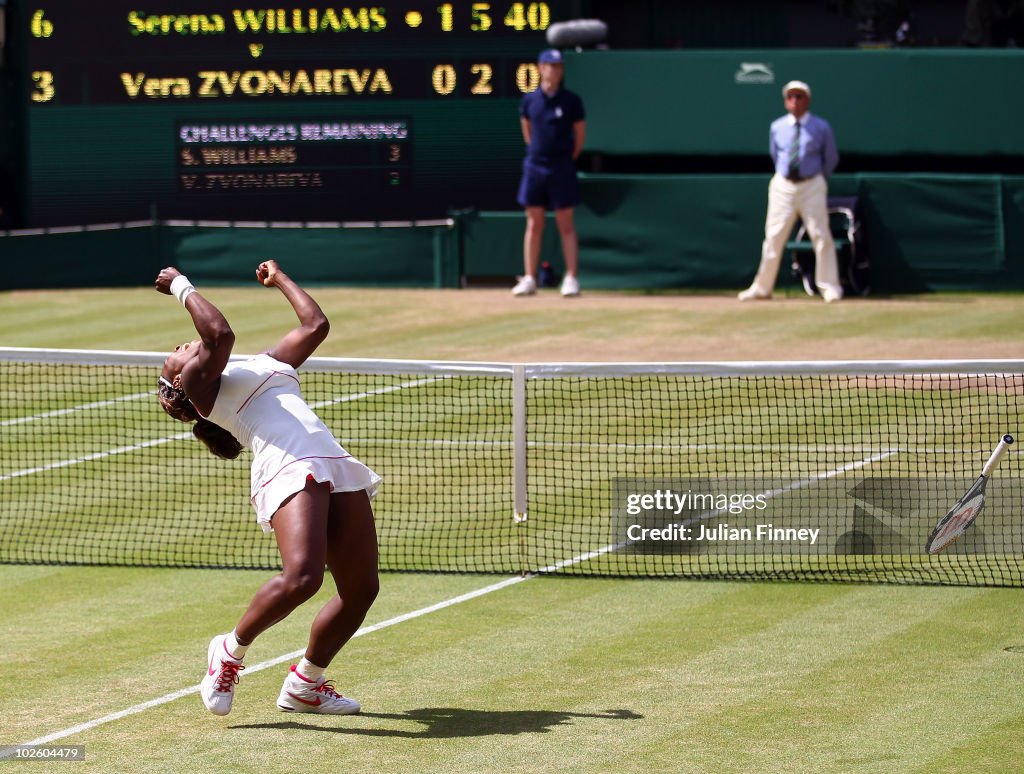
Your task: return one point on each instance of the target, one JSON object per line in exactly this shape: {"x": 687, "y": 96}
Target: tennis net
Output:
{"x": 833, "y": 471}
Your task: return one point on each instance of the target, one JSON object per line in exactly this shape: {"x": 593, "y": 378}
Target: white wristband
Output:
{"x": 181, "y": 288}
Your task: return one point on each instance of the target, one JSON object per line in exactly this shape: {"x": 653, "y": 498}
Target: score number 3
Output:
{"x": 43, "y": 89}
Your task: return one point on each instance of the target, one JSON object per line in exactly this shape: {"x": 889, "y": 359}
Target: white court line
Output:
{"x": 182, "y": 436}
{"x": 380, "y": 391}
{"x": 73, "y": 409}
{"x": 95, "y": 456}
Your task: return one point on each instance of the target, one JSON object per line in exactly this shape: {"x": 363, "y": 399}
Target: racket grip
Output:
{"x": 999, "y": 450}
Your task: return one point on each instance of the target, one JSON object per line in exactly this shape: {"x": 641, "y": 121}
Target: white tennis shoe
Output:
{"x": 300, "y": 694}
{"x": 570, "y": 286}
{"x": 753, "y": 294}
{"x": 218, "y": 686}
{"x": 526, "y": 286}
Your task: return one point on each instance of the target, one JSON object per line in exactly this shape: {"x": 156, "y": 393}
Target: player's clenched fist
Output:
{"x": 165, "y": 278}
{"x": 267, "y": 273}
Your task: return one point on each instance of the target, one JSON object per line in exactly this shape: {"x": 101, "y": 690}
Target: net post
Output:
{"x": 519, "y": 457}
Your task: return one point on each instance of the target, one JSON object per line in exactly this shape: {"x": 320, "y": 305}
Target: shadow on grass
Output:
{"x": 455, "y": 722}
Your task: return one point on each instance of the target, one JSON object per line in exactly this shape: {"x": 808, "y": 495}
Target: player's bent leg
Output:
{"x": 300, "y": 527}
{"x": 352, "y": 560}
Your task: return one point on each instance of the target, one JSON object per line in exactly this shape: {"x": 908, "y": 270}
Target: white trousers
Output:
{"x": 788, "y": 201}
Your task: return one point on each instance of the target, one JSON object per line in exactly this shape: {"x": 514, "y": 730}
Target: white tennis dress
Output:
{"x": 260, "y": 403}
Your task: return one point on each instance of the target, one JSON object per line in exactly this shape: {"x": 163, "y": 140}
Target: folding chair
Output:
{"x": 854, "y": 265}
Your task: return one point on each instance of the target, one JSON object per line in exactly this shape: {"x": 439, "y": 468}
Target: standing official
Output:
{"x": 552, "y": 120}
{"x": 803, "y": 150}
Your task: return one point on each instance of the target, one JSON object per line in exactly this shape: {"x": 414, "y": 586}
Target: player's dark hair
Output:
{"x": 218, "y": 440}
{"x": 177, "y": 405}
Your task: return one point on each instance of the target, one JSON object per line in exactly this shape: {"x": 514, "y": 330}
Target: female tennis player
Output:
{"x": 306, "y": 488}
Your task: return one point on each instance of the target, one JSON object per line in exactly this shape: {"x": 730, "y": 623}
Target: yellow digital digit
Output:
{"x": 481, "y": 19}
{"x": 538, "y": 16}
{"x": 443, "y": 79}
{"x": 483, "y": 81}
{"x": 43, "y": 88}
{"x": 516, "y": 17}
{"x": 394, "y": 153}
{"x": 40, "y": 26}
{"x": 527, "y": 77}
{"x": 445, "y": 9}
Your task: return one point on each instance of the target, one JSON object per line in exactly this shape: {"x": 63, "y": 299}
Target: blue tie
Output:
{"x": 793, "y": 157}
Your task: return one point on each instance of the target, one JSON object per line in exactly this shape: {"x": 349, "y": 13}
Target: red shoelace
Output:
{"x": 327, "y": 689}
{"x": 228, "y": 675}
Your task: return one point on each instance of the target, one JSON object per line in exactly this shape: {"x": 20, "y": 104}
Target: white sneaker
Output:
{"x": 218, "y": 686}
{"x": 526, "y": 286}
{"x": 299, "y": 694}
{"x": 570, "y": 286}
{"x": 753, "y": 294}
{"x": 831, "y": 295}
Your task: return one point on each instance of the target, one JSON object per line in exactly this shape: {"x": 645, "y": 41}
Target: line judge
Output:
{"x": 803, "y": 150}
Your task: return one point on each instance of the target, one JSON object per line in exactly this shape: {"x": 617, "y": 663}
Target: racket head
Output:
{"x": 958, "y": 519}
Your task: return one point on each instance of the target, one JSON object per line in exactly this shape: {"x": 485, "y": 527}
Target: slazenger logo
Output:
{"x": 755, "y": 72}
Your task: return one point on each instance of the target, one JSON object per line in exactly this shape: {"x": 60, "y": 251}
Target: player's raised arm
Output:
{"x": 298, "y": 344}
{"x": 200, "y": 373}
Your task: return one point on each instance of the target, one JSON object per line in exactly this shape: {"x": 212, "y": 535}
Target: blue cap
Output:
{"x": 550, "y": 56}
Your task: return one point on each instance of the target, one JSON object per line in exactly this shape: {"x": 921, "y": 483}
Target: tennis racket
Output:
{"x": 962, "y": 515}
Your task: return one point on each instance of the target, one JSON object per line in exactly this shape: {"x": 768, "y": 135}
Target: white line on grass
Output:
{"x": 73, "y": 409}
{"x": 95, "y": 456}
{"x": 379, "y": 391}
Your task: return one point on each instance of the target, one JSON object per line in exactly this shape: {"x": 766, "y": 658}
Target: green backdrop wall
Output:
{"x": 420, "y": 256}
{"x": 718, "y": 103}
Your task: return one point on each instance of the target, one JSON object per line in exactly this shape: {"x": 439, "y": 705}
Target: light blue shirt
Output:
{"x": 818, "y": 152}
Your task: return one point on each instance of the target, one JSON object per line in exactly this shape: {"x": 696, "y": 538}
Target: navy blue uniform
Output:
{"x": 549, "y": 172}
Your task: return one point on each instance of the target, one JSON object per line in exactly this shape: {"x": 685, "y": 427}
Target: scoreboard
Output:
{"x": 297, "y": 112}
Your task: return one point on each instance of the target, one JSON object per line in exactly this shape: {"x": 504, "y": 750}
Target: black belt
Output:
{"x": 796, "y": 178}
